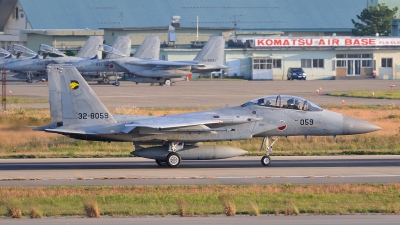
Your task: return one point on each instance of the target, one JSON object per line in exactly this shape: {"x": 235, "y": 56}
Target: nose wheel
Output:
{"x": 266, "y": 160}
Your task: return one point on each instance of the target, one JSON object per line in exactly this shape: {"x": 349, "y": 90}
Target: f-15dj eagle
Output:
{"x": 151, "y": 70}
{"x": 77, "y": 112}
{"x": 36, "y": 65}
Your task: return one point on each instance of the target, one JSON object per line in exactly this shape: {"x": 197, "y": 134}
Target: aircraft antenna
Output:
{"x": 4, "y": 85}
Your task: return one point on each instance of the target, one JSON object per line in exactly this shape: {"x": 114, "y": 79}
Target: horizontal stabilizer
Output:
{"x": 68, "y": 131}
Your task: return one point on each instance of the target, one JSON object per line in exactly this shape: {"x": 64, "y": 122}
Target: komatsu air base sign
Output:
{"x": 325, "y": 42}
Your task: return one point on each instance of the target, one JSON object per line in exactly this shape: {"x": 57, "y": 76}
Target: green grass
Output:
{"x": 205, "y": 200}
{"x": 391, "y": 94}
{"x": 14, "y": 100}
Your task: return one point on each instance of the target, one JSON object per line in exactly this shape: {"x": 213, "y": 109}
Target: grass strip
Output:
{"x": 204, "y": 200}
{"x": 16, "y": 100}
{"x": 378, "y": 94}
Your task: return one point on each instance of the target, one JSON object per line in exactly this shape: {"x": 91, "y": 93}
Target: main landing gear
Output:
{"x": 266, "y": 160}
{"x": 173, "y": 159}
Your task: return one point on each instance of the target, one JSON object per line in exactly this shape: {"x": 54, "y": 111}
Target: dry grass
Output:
{"x": 91, "y": 207}
{"x": 254, "y": 209}
{"x": 29, "y": 192}
{"x": 228, "y": 202}
{"x": 13, "y": 209}
{"x": 35, "y": 213}
{"x": 291, "y": 208}
{"x": 184, "y": 208}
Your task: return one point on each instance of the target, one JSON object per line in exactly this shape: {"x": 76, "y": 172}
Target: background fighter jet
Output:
{"x": 149, "y": 49}
{"x": 77, "y": 112}
{"x": 5, "y": 57}
{"x": 146, "y": 68}
{"x": 37, "y": 65}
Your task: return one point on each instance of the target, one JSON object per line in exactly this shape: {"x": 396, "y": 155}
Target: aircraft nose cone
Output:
{"x": 353, "y": 125}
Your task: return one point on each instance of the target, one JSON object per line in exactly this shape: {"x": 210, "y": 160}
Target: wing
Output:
{"x": 188, "y": 123}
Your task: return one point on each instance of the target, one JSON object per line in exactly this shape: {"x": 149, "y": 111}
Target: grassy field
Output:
{"x": 200, "y": 200}
{"x": 392, "y": 94}
{"x": 15, "y": 100}
{"x": 20, "y": 141}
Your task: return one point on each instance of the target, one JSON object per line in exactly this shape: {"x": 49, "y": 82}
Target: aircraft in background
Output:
{"x": 35, "y": 67}
{"x": 149, "y": 49}
{"x": 77, "y": 112}
{"x": 121, "y": 47}
{"x": 147, "y": 68}
{"x": 6, "y": 57}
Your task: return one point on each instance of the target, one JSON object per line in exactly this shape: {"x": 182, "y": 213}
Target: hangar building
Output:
{"x": 267, "y": 34}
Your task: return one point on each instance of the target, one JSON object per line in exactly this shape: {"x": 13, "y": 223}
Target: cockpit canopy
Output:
{"x": 284, "y": 101}
{"x": 49, "y": 49}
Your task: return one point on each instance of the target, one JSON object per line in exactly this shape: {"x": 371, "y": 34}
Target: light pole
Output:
{"x": 3, "y": 84}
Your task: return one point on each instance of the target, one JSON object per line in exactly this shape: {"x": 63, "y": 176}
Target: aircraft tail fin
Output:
{"x": 122, "y": 44}
{"x": 213, "y": 52}
{"x": 90, "y": 48}
{"x": 73, "y": 104}
{"x": 149, "y": 49}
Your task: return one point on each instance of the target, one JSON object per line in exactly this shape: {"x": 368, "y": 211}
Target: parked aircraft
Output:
{"x": 148, "y": 69}
{"x": 5, "y": 57}
{"x": 36, "y": 65}
{"x": 77, "y": 112}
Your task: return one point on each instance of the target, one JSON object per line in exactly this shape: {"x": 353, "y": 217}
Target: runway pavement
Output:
{"x": 239, "y": 170}
{"x": 215, "y": 93}
{"x": 237, "y": 220}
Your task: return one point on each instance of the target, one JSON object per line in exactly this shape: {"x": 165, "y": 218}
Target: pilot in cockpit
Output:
{"x": 296, "y": 104}
{"x": 268, "y": 103}
{"x": 260, "y": 101}
{"x": 290, "y": 103}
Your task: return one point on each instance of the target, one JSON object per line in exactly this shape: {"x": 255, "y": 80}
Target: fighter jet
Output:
{"x": 146, "y": 68}
{"x": 77, "y": 112}
{"x": 37, "y": 65}
{"x": 118, "y": 54}
{"x": 5, "y": 57}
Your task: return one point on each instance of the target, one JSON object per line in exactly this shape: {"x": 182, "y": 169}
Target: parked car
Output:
{"x": 220, "y": 73}
{"x": 296, "y": 73}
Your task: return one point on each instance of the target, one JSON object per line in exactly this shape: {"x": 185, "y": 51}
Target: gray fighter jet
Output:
{"x": 77, "y": 112}
{"x": 146, "y": 68}
{"x": 5, "y": 57}
{"x": 37, "y": 65}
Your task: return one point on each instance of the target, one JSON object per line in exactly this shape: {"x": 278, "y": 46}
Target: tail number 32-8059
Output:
{"x": 85, "y": 116}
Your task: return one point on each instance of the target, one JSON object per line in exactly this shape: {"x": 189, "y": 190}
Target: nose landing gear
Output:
{"x": 266, "y": 160}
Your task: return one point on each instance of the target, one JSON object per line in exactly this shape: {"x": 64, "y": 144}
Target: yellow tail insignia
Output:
{"x": 74, "y": 84}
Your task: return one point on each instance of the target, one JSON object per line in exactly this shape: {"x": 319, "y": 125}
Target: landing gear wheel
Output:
{"x": 106, "y": 80}
{"x": 173, "y": 159}
{"x": 266, "y": 160}
{"x": 29, "y": 81}
{"x": 116, "y": 83}
{"x": 161, "y": 162}
{"x": 167, "y": 82}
